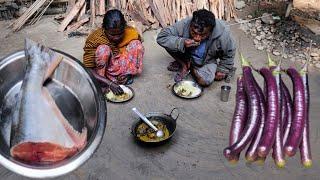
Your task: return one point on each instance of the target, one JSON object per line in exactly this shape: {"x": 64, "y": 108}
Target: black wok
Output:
{"x": 166, "y": 119}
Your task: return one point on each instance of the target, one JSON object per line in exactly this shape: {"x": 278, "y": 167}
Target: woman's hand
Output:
{"x": 116, "y": 89}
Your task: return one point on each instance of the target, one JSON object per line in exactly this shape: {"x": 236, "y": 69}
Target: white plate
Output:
{"x": 187, "y": 89}
{"x": 128, "y": 95}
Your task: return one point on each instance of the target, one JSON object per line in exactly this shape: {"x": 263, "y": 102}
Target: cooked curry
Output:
{"x": 147, "y": 134}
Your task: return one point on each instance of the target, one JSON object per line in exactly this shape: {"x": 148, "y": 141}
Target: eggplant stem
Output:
{"x": 244, "y": 62}
{"x": 304, "y": 69}
{"x": 270, "y": 61}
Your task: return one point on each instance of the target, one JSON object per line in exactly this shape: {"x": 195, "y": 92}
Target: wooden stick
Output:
{"x": 45, "y": 9}
{"x": 30, "y": 11}
{"x": 74, "y": 11}
{"x": 34, "y": 17}
{"x": 25, "y": 14}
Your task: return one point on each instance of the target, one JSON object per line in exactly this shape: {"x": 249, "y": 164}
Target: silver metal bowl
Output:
{"x": 77, "y": 95}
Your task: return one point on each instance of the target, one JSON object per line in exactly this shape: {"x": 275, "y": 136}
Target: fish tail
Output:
{"x": 42, "y": 56}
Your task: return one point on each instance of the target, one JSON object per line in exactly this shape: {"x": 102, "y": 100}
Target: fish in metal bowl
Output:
{"x": 52, "y": 113}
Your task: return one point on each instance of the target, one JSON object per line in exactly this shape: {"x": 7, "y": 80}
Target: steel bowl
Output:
{"x": 79, "y": 98}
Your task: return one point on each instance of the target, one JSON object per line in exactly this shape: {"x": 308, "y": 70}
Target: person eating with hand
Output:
{"x": 114, "y": 52}
{"x": 201, "y": 45}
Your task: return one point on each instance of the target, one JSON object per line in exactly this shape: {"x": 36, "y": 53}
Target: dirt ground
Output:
{"x": 195, "y": 151}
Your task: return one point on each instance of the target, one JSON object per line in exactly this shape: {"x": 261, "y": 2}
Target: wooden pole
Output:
{"x": 93, "y": 12}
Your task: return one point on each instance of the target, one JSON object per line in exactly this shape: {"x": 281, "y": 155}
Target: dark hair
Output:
{"x": 114, "y": 19}
{"x": 203, "y": 18}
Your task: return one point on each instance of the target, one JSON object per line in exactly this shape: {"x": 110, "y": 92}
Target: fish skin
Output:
{"x": 40, "y": 123}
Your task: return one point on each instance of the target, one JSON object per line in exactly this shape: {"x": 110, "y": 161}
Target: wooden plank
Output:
{"x": 76, "y": 25}
{"x": 74, "y": 11}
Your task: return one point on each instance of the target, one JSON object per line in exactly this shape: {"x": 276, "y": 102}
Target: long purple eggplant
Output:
{"x": 299, "y": 113}
{"x": 284, "y": 110}
{"x": 277, "y": 153}
{"x": 254, "y": 113}
{"x": 287, "y": 121}
{"x": 251, "y": 154}
{"x": 273, "y": 114}
{"x": 239, "y": 116}
{"x": 305, "y": 149}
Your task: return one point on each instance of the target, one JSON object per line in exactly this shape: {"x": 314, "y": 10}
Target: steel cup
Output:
{"x": 225, "y": 91}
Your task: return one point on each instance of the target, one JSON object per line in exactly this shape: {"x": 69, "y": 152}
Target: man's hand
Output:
{"x": 190, "y": 43}
{"x": 116, "y": 89}
{"x": 219, "y": 76}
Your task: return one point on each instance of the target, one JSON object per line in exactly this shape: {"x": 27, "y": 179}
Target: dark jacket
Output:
{"x": 220, "y": 44}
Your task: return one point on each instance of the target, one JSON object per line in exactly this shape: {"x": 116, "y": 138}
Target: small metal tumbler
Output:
{"x": 225, "y": 91}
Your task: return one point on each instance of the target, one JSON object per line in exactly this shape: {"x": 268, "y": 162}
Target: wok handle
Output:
{"x": 175, "y": 109}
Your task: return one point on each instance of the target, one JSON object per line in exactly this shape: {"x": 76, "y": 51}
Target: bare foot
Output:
{"x": 174, "y": 66}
